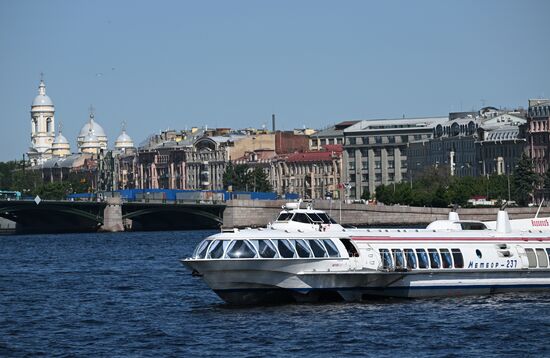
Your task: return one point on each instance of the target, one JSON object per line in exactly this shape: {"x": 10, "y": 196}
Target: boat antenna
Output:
{"x": 540, "y": 206}
{"x": 503, "y": 206}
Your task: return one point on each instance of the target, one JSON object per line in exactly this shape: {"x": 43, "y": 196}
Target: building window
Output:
{"x": 351, "y": 141}
{"x": 390, "y": 151}
{"x": 391, "y": 139}
{"x": 378, "y": 139}
{"x": 365, "y": 165}
{"x": 417, "y": 137}
{"x": 364, "y": 152}
{"x": 404, "y": 139}
{"x": 364, "y": 178}
{"x": 391, "y": 164}
{"x": 339, "y": 140}
{"x": 365, "y": 140}
{"x": 391, "y": 176}
{"x": 377, "y": 164}
{"x": 378, "y": 177}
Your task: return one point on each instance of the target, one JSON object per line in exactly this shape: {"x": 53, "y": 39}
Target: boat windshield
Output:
{"x": 241, "y": 249}
{"x": 326, "y": 219}
{"x": 200, "y": 252}
{"x": 314, "y": 218}
{"x": 284, "y": 217}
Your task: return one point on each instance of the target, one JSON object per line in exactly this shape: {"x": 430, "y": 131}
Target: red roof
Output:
{"x": 333, "y": 148}
{"x": 310, "y": 157}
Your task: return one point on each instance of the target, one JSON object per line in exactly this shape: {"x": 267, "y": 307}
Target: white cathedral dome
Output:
{"x": 124, "y": 141}
{"x": 61, "y": 146}
{"x": 60, "y": 139}
{"x": 42, "y": 99}
{"x": 96, "y": 128}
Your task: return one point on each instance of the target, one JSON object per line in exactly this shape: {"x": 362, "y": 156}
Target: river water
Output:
{"x": 126, "y": 294}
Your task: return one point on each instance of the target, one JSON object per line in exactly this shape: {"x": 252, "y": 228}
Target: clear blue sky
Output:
{"x": 177, "y": 64}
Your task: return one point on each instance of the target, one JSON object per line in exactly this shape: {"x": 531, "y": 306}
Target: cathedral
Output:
{"x": 47, "y": 147}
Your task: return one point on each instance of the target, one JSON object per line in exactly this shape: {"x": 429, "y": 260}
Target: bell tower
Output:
{"x": 42, "y": 126}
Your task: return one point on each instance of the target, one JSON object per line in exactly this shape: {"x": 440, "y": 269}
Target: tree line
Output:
{"x": 436, "y": 188}
{"x": 15, "y": 175}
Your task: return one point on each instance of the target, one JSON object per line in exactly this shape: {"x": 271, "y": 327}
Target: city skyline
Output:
{"x": 233, "y": 65}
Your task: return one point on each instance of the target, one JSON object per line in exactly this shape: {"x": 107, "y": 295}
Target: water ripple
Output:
{"x": 127, "y": 295}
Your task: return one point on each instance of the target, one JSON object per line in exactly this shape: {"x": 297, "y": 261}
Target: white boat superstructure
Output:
{"x": 448, "y": 258}
{"x": 293, "y": 218}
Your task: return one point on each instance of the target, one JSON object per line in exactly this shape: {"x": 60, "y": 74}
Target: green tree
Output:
{"x": 243, "y": 178}
{"x": 524, "y": 180}
{"x": 439, "y": 199}
{"x": 546, "y": 183}
{"x": 366, "y": 194}
{"x": 258, "y": 181}
{"x": 228, "y": 177}
{"x": 54, "y": 191}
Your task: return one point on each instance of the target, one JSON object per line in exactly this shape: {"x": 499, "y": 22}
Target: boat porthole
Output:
{"x": 478, "y": 253}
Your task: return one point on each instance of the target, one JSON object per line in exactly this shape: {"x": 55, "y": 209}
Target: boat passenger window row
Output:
{"x": 421, "y": 258}
{"x": 309, "y": 218}
{"x": 266, "y": 248}
{"x": 538, "y": 257}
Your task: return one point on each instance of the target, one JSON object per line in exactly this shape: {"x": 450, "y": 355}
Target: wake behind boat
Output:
{"x": 312, "y": 262}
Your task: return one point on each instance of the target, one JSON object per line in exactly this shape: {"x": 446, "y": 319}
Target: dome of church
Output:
{"x": 90, "y": 141}
{"x": 61, "y": 146}
{"x": 124, "y": 141}
{"x": 42, "y": 99}
{"x": 96, "y": 128}
{"x": 60, "y": 139}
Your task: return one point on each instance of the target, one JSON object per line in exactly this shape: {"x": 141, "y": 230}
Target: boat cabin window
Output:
{"x": 266, "y": 249}
{"x": 350, "y": 247}
{"x": 422, "y": 258}
{"x": 284, "y": 217}
{"x": 301, "y": 218}
{"x": 411, "y": 259}
{"x": 542, "y": 258}
{"x": 332, "y": 250}
{"x": 301, "y": 248}
{"x": 215, "y": 251}
{"x": 398, "y": 258}
{"x": 457, "y": 258}
{"x": 472, "y": 226}
{"x": 548, "y": 252}
{"x": 285, "y": 249}
{"x": 200, "y": 251}
{"x": 326, "y": 219}
{"x": 531, "y": 257}
{"x": 314, "y": 218}
{"x": 446, "y": 260}
{"x": 386, "y": 258}
{"x": 435, "y": 261}
{"x": 240, "y": 249}
{"x": 317, "y": 248}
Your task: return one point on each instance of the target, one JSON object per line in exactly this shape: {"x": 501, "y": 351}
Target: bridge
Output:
{"x": 90, "y": 216}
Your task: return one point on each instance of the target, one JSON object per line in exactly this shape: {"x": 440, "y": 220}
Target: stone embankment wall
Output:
{"x": 257, "y": 213}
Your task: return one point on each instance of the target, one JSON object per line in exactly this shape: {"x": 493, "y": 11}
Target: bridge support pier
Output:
{"x": 112, "y": 216}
